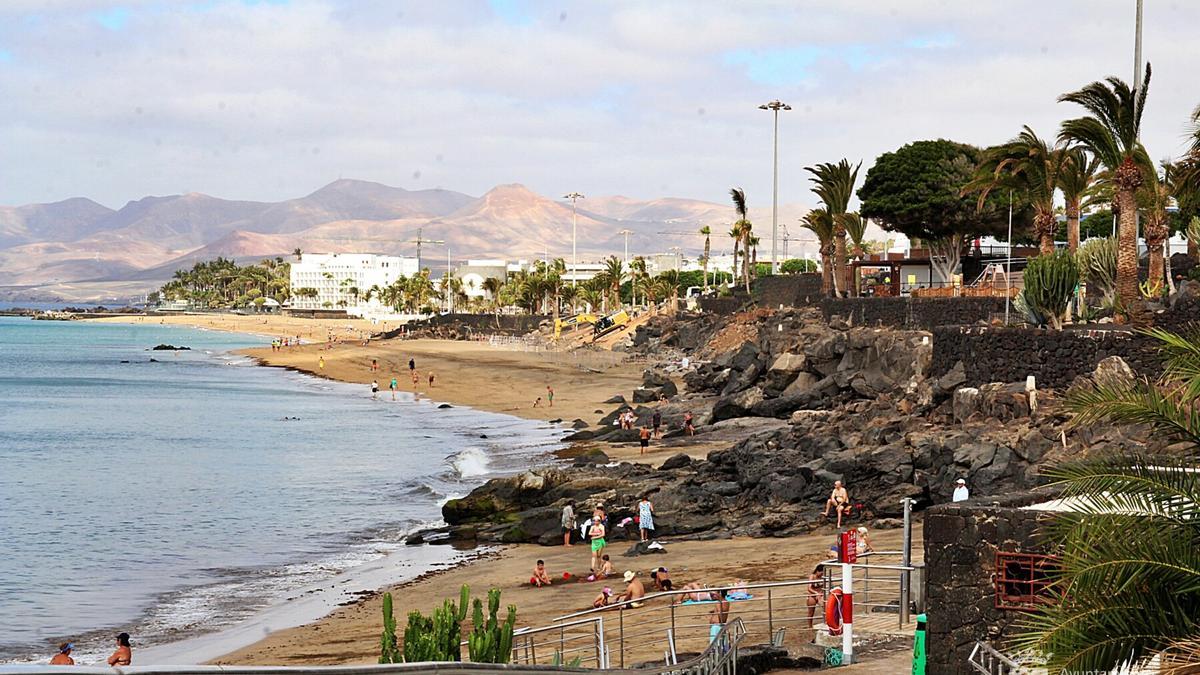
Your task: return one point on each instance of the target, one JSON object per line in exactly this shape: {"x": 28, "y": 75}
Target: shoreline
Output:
{"x": 398, "y": 567}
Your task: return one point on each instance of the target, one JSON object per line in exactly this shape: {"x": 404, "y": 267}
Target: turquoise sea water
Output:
{"x": 172, "y": 496}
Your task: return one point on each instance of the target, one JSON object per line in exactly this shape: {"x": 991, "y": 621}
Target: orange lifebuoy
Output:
{"x": 833, "y": 612}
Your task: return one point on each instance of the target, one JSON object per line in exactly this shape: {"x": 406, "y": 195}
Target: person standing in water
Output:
{"x": 393, "y": 386}
{"x": 550, "y": 395}
{"x": 63, "y": 657}
{"x": 123, "y": 656}
{"x": 374, "y": 389}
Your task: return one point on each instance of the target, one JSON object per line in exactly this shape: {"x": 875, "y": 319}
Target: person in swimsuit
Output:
{"x": 718, "y": 615}
{"x": 656, "y": 423}
{"x": 634, "y": 590}
{"x": 431, "y": 379}
{"x": 550, "y": 395}
{"x": 602, "y": 600}
{"x": 816, "y": 592}
{"x": 393, "y": 386}
{"x": 374, "y": 388}
{"x": 596, "y": 533}
{"x": 123, "y": 656}
{"x": 321, "y": 362}
{"x": 412, "y": 366}
{"x": 540, "y": 577}
{"x": 689, "y": 424}
{"x": 644, "y": 439}
{"x": 374, "y": 365}
{"x": 63, "y": 657}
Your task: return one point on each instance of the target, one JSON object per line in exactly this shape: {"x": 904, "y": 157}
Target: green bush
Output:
{"x": 797, "y": 266}
{"x": 1050, "y": 282}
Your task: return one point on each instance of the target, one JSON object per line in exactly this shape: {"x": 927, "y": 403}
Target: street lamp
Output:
{"x": 626, "y": 233}
{"x": 573, "y": 196}
{"x": 775, "y": 106}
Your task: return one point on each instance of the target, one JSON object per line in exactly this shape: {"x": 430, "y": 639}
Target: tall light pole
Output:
{"x": 1137, "y": 51}
{"x": 775, "y": 107}
{"x": 574, "y": 196}
{"x": 626, "y": 233}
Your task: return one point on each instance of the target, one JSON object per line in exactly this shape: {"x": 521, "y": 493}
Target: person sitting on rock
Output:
{"x": 540, "y": 577}
{"x": 839, "y": 500}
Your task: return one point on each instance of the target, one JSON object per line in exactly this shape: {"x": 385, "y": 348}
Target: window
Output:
{"x": 1023, "y": 579}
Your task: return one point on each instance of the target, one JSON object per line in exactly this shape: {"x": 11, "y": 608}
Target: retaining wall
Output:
{"x": 961, "y": 541}
{"x": 922, "y": 313}
{"x": 789, "y": 290}
{"x": 464, "y": 325}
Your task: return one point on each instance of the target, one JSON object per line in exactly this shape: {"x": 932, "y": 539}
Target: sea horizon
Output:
{"x": 116, "y": 456}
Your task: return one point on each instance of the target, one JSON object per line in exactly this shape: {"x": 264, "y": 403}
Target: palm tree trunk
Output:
{"x": 840, "y": 269}
{"x": 746, "y": 261}
{"x": 1073, "y": 225}
{"x": 1043, "y": 224}
{"x": 1154, "y": 251}
{"x": 826, "y": 271}
{"x": 1127, "y": 249}
{"x": 707, "y": 249}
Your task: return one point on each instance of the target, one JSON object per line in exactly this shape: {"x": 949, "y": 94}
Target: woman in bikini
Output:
{"x": 123, "y": 656}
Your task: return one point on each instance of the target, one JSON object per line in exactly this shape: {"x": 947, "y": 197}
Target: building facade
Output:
{"x": 341, "y": 280}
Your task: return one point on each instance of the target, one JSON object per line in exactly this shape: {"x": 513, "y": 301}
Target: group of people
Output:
{"x": 394, "y": 384}
{"x": 281, "y": 343}
{"x": 121, "y": 656}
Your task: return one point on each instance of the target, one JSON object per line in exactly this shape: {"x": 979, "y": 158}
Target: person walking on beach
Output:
{"x": 412, "y": 366}
{"x": 63, "y": 657}
{"x": 431, "y": 378}
{"x": 644, "y": 439}
{"x": 123, "y": 656}
{"x": 656, "y": 423}
{"x": 415, "y": 378}
{"x": 321, "y": 363}
{"x": 392, "y": 385}
{"x": 568, "y": 521}
{"x": 550, "y": 395}
{"x": 645, "y": 517}
{"x": 374, "y": 389}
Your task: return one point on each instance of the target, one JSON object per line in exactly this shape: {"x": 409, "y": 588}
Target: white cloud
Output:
{"x": 268, "y": 101}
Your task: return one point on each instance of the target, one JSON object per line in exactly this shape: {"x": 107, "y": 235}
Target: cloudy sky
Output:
{"x": 270, "y": 99}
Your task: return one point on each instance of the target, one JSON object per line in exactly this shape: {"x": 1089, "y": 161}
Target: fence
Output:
{"x": 663, "y": 625}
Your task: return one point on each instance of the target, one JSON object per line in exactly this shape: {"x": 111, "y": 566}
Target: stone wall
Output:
{"x": 1055, "y": 358}
{"x": 921, "y": 313}
{"x": 725, "y": 306}
{"x": 789, "y": 290}
{"x": 961, "y": 541}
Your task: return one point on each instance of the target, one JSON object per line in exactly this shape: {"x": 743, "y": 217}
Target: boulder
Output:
{"x": 618, "y": 399}
{"x": 802, "y": 384}
{"x": 590, "y": 457}
{"x": 1113, "y": 372}
{"x": 578, "y": 424}
{"x": 677, "y": 461}
{"x": 965, "y": 403}
{"x": 653, "y": 378}
{"x": 736, "y": 405}
{"x": 950, "y": 382}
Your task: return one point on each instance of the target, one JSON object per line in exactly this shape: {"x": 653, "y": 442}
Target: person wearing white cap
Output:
{"x": 961, "y": 494}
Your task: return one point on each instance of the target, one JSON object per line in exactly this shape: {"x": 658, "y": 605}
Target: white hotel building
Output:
{"x": 334, "y": 274}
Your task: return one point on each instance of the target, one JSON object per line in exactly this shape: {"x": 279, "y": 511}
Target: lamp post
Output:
{"x": 775, "y": 107}
{"x": 574, "y": 196}
{"x": 626, "y": 233}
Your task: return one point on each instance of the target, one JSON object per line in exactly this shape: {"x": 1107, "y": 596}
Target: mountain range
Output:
{"x": 80, "y": 250}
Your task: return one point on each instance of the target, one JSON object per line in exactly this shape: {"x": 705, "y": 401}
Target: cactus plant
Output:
{"x": 1050, "y": 281}
{"x": 1098, "y": 265}
{"x": 389, "y": 652}
{"x": 491, "y": 641}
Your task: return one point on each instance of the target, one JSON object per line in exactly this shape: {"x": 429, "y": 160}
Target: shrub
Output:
{"x": 1050, "y": 281}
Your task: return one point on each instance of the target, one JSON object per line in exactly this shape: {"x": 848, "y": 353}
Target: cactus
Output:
{"x": 490, "y": 641}
{"x": 389, "y": 652}
{"x": 1050, "y": 281}
{"x": 1098, "y": 264}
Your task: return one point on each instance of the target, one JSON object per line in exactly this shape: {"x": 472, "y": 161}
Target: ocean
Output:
{"x": 175, "y": 493}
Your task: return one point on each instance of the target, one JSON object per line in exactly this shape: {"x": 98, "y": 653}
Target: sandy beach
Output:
{"x": 504, "y": 380}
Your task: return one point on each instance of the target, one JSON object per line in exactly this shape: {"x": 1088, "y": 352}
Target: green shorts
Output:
{"x": 597, "y": 544}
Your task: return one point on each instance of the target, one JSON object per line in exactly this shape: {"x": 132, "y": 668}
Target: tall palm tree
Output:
{"x": 856, "y": 229}
{"x": 298, "y": 253}
{"x": 753, "y": 243}
{"x": 735, "y": 233}
{"x": 1154, "y": 197}
{"x": 834, "y": 184}
{"x": 637, "y": 270}
{"x": 821, "y": 224}
{"x": 1076, "y": 180}
{"x": 1128, "y": 588}
{"x": 707, "y": 232}
{"x": 1110, "y": 132}
{"x": 743, "y": 227}
{"x": 614, "y": 272}
{"x": 1030, "y": 166}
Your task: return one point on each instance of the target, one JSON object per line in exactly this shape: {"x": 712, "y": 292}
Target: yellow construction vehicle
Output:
{"x": 600, "y": 324}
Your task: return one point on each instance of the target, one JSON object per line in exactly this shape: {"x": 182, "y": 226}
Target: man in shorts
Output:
{"x": 644, "y": 439}
{"x": 568, "y": 521}
{"x": 718, "y": 615}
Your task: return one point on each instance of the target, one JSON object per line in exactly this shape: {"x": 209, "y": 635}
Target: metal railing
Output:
{"x": 664, "y": 624}
{"x": 562, "y": 644}
{"x": 985, "y": 659}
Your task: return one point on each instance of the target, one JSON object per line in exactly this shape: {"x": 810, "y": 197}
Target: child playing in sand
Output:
{"x": 606, "y": 568}
{"x": 603, "y": 599}
{"x": 540, "y": 577}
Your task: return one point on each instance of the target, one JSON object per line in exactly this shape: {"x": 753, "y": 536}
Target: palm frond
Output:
{"x": 1136, "y": 402}
{"x": 1181, "y": 354}
{"x": 739, "y": 202}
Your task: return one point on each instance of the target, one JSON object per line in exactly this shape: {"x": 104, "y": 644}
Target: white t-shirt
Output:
{"x": 961, "y": 494}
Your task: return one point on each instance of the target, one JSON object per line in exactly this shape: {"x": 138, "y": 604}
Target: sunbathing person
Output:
{"x": 540, "y": 577}
{"x": 694, "y": 591}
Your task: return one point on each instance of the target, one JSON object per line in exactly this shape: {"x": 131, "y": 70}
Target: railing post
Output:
{"x": 603, "y": 655}
{"x": 621, "y": 639}
{"x": 770, "y": 617}
{"x": 906, "y": 560}
{"x": 672, "y": 616}
{"x": 847, "y": 613}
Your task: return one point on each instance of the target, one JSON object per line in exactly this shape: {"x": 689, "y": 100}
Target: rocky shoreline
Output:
{"x": 791, "y": 403}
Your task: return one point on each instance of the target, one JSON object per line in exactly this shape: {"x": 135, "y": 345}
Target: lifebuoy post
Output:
{"x": 848, "y": 555}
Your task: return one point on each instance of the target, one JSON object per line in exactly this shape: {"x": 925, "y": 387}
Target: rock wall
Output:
{"x": 788, "y": 290}
{"x": 961, "y": 541}
{"x": 1055, "y": 358}
{"x": 464, "y": 326}
{"x": 922, "y": 313}
{"x": 723, "y": 306}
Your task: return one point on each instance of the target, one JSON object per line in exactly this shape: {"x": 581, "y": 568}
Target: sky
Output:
{"x": 271, "y": 99}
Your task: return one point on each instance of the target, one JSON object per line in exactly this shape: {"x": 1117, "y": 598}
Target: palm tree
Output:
{"x": 298, "y": 253}
{"x": 614, "y": 271}
{"x": 1028, "y": 165}
{"x": 819, "y": 222}
{"x": 670, "y": 282}
{"x": 1128, "y": 588}
{"x": 637, "y": 270}
{"x": 743, "y": 227}
{"x": 1154, "y": 197}
{"x": 707, "y": 232}
{"x": 735, "y": 233}
{"x": 856, "y": 229}
{"x": 1110, "y": 132}
{"x": 1076, "y": 180}
{"x": 834, "y": 184}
